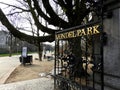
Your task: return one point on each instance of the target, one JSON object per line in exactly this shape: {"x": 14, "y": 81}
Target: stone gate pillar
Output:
{"x": 112, "y": 50}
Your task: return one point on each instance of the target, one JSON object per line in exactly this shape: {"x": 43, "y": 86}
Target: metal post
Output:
{"x": 55, "y": 65}
{"x": 102, "y": 54}
{"x": 86, "y": 55}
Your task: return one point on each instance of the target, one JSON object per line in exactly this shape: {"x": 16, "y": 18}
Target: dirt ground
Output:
{"x": 28, "y": 72}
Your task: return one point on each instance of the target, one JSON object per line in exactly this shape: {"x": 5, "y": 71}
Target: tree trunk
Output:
{"x": 10, "y": 47}
{"x": 40, "y": 51}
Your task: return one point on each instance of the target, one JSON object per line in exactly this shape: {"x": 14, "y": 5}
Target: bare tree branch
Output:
{"x": 21, "y": 35}
{"x": 53, "y": 15}
{"x": 48, "y": 19}
{"x": 38, "y": 24}
{"x": 14, "y": 13}
{"x": 16, "y": 7}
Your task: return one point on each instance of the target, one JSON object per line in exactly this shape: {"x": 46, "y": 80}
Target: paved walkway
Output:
{"x": 7, "y": 66}
{"x": 35, "y": 84}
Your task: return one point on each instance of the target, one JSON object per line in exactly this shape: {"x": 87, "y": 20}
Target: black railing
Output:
{"x": 63, "y": 83}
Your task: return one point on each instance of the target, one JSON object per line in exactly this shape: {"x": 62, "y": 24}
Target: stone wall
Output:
{"x": 112, "y": 52}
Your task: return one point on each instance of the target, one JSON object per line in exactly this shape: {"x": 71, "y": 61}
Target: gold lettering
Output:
{"x": 71, "y": 34}
{"x": 74, "y": 35}
{"x": 62, "y": 36}
{"x": 89, "y": 31}
{"x": 78, "y": 32}
{"x": 66, "y": 36}
{"x": 95, "y": 29}
{"x": 57, "y": 36}
{"x": 83, "y": 32}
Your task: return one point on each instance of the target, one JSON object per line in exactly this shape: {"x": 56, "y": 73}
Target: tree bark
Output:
{"x": 40, "y": 51}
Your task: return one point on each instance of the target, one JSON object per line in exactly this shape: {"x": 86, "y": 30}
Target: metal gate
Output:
{"x": 79, "y": 58}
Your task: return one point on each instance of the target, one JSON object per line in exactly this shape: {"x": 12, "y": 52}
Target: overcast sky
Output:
{"x": 7, "y": 1}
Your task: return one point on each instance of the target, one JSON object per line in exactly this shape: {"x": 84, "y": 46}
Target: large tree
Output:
{"x": 70, "y": 13}
{"x": 60, "y": 14}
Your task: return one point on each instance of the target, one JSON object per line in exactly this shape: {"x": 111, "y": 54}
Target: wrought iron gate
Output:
{"x": 82, "y": 70}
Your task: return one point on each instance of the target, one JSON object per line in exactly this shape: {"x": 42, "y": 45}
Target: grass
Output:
{"x": 4, "y": 55}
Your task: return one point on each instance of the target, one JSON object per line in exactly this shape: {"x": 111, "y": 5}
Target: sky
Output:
{"x": 6, "y": 1}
